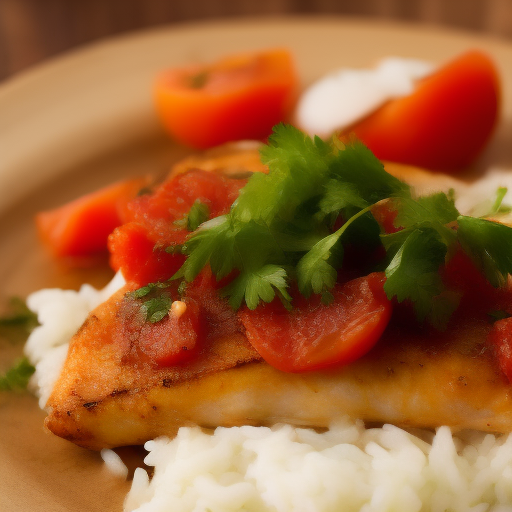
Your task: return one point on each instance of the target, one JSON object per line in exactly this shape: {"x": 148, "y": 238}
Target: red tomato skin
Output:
{"x": 81, "y": 227}
{"x": 135, "y": 255}
{"x": 242, "y": 97}
{"x": 445, "y": 123}
{"x": 173, "y": 340}
{"x": 500, "y": 340}
{"x": 138, "y": 247}
{"x": 313, "y": 336}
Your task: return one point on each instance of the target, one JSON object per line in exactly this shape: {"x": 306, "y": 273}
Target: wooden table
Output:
{"x": 34, "y": 30}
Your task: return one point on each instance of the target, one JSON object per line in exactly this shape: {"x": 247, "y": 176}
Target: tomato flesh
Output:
{"x": 445, "y": 123}
{"x": 173, "y": 340}
{"x": 313, "y": 336}
{"x": 81, "y": 227}
{"x": 139, "y": 248}
{"x": 236, "y": 98}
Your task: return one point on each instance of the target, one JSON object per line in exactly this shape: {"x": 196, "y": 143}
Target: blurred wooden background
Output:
{"x": 33, "y": 30}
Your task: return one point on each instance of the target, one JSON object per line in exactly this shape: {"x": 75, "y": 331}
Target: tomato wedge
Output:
{"x": 314, "y": 336}
{"x": 445, "y": 123}
{"x": 239, "y": 97}
{"x": 81, "y": 227}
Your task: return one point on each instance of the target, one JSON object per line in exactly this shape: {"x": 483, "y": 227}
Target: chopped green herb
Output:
{"x": 492, "y": 206}
{"x": 489, "y": 244}
{"x": 155, "y": 300}
{"x": 18, "y": 322}
{"x": 17, "y": 377}
{"x": 280, "y": 229}
{"x": 19, "y": 314}
{"x": 198, "y": 213}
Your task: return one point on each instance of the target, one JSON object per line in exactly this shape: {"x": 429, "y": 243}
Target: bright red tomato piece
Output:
{"x": 314, "y": 336}
{"x": 172, "y": 340}
{"x": 238, "y": 97}
{"x": 81, "y": 227}
{"x": 139, "y": 248}
{"x": 445, "y": 123}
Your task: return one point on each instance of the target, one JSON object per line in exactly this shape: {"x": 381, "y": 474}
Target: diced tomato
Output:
{"x": 500, "y": 339}
{"x": 385, "y": 214}
{"x": 139, "y": 247}
{"x": 135, "y": 255}
{"x": 313, "y": 336}
{"x": 236, "y": 98}
{"x": 461, "y": 275}
{"x": 81, "y": 227}
{"x": 172, "y": 201}
{"x": 445, "y": 123}
{"x": 172, "y": 340}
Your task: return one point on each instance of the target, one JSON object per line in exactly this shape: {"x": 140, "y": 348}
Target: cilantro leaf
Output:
{"x": 213, "y": 242}
{"x": 491, "y": 206}
{"x": 339, "y": 195}
{"x": 357, "y": 165}
{"x": 258, "y": 285}
{"x": 489, "y": 245}
{"x": 281, "y": 228}
{"x": 18, "y": 322}
{"x": 19, "y": 314}
{"x": 434, "y": 211}
{"x": 298, "y": 166}
{"x": 199, "y": 212}
{"x": 315, "y": 274}
{"x": 156, "y": 308}
{"x": 498, "y": 314}
{"x": 155, "y": 301}
{"x": 17, "y": 377}
{"x": 414, "y": 271}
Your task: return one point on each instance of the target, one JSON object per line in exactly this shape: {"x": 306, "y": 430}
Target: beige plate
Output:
{"x": 86, "y": 119}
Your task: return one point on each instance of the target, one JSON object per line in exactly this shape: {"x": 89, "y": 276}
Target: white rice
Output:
{"x": 257, "y": 469}
{"x": 60, "y": 313}
{"x": 348, "y": 468}
{"x": 114, "y": 463}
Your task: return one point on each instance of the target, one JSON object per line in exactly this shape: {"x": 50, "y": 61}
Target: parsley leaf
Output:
{"x": 357, "y": 165}
{"x": 155, "y": 300}
{"x": 17, "y": 377}
{"x": 199, "y": 212}
{"x": 18, "y": 322}
{"x": 257, "y": 285}
{"x": 414, "y": 271}
{"x": 434, "y": 211}
{"x": 282, "y": 228}
{"x": 489, "y": 244}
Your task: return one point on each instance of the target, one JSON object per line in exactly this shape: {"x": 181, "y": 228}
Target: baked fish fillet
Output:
{"x": 411, "y": 378}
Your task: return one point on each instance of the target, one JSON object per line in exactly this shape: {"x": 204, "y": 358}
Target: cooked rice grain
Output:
{"x": 348, "y": 468}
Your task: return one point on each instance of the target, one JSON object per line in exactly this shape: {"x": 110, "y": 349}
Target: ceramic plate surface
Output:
{"x": 86, "y": 119}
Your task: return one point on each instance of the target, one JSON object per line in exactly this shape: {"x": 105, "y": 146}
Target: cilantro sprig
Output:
{"x": 294, "y": 224}
{"x": 15, "y": 326}
{"x": 18, "y": 322}
{"x": 17, "y": 377}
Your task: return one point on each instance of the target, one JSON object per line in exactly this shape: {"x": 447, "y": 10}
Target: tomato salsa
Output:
{"x": 171, "y": 319}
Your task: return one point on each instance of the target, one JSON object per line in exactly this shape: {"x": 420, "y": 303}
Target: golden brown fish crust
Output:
{"x": 408, "y": 379}
{"x": 412, "y": 378}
